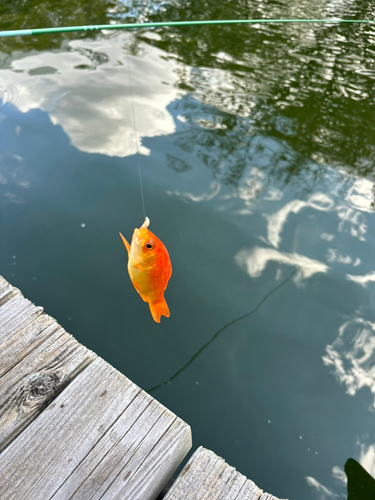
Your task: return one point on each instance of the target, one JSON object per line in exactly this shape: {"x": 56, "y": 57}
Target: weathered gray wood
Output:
{"x": 267, "y": 496}
{"x": 6, "y": 291}
{"x": 249, "y": 491}
{"x": 135, "y": 459}
{"x": 207, "y": 477}
{"x": 3, "y": 283}
{"x": 234, "y": 485}
{"x": 230, "y": 484}
{"x": 211, "y": 484}
{"x": 31, "y": 384}
{"x": 17, "y": 345}
{"x": 107, "y": 454}
{"x": 89, "y": 420}
{"x": 17, "y": 313}
{"x": 149, "y": 476}
{"x": 32, "y": 373}
{"x": 20, "y": 336}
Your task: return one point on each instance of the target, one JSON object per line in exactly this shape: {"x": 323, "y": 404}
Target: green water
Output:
{"x": 257, "y": 150}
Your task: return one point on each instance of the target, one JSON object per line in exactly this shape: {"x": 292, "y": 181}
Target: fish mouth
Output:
{"x": 137, "y": 232}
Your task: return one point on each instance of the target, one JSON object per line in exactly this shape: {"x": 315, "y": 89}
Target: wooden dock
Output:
{"x": 73, "y": 427}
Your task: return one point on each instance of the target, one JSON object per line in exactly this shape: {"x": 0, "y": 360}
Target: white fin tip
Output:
{"x": 146, "y": 222}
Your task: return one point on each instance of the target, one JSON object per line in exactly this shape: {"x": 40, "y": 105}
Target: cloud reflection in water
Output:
{"x": 362, "y": 280}
{"x": 94, "y": 107}
{"x": 276, "y": 221}
{"x": 255, "y": 261}
{"x": 367, "y": 457}
{"x": 352, "y": 356}
{"x": 321, "y": 492}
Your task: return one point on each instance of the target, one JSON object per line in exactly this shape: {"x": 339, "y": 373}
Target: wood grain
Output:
{"x": 69, "y": 447}
{"x": 6, "y": 291}
{"x": 267, "y": 496}
{"x": 30, "y": 385}
{"x": 37, "y": 360}
{"x": 17, "y": 313}
{"x": 145, "y": 479}
{"x": 133, "y": 460}
{"x": 19, "y": 336}
{"x": 14, "y": 347}
{"x": 207, "y": 477}
{"x": 249, "y": 491}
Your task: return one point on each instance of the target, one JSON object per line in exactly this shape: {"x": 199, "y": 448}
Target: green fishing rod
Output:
{"x": 67, "y": 29}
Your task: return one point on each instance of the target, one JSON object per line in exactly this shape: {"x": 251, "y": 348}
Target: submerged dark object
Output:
{"x": 361, "y": 486}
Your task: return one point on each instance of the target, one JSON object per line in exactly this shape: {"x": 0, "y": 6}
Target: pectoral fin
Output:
{"x": 137, "y": 265}
{"x": 125, "y": 243}
{"x": 136, "y": 286}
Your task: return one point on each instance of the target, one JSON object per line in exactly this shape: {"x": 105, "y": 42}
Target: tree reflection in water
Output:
{"x": 311, "y": 86}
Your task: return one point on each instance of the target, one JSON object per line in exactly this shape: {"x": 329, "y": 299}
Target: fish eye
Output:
{"x": 150, "y": 245}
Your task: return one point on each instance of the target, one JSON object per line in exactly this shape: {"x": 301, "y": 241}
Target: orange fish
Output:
{"x": 149, "y": 269}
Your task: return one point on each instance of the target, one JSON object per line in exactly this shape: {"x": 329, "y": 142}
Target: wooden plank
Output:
{"x": 106, "y": 455}
{"x": 4, "y": 284}
{"x": 6, "y": 291}
{"x": 14, "y": 347}
{"x": 207, "y": 477}
{"x": 146, "y": 444}
{"x": 230, "y": 484}
{"x": 193, "y": 474}
{"x": 249, "y": 491}
{"x": 20, "y": 336}
{"x": 149, "y": 476}
{"x": 17, "y": 313}
{"x": 210, "y": 485}
{"x": 30, "y": 385}
{"x": 38, "y": 462}
{"x": 267, "y": 496}
{"x": 82, "y": 423}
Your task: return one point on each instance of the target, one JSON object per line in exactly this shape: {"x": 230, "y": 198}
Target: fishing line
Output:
{"x": 224, "y": 328}
{"x": 136, "y": 135}
{"x": 65, "y": 29}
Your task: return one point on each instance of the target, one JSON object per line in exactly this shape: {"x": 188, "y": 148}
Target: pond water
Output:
{"x": 256, "y": 148}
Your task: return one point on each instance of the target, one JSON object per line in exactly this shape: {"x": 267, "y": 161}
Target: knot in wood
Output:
{"x": 40, "y": 385}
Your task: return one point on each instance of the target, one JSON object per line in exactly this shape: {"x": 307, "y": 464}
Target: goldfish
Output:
{"x": 149, "y": 268}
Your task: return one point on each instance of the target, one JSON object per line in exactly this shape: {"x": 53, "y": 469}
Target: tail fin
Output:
{"x": 159, "y": 309}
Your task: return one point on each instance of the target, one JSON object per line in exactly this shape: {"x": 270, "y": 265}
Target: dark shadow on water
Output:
{"x": 175, "y": 375}
{"x": 361, "y": 486}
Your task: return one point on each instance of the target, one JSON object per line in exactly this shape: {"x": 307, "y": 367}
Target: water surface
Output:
{"x": 256, "y": 148}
